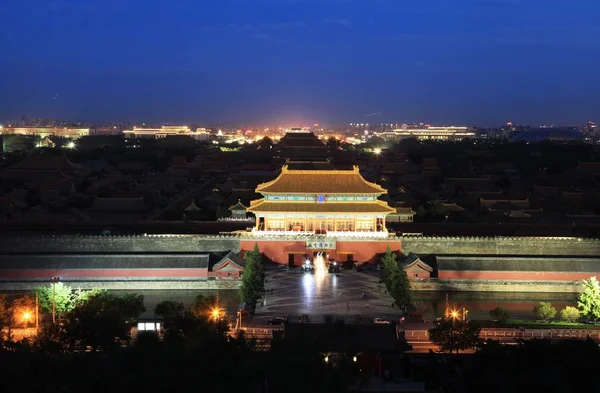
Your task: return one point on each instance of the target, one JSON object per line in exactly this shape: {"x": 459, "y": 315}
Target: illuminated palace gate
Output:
{"x": 336, "y": 212}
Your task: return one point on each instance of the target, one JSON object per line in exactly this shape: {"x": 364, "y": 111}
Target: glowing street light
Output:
{"x": 215, "y": 313}
{"x": 26, "y": 318}
{"x": 377, "y": 151}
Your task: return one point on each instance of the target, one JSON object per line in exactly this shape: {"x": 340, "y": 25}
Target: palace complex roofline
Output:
{"x": 315, "y": 182}
{"x": 262, "y": 205}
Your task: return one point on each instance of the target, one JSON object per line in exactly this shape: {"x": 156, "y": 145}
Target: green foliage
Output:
{"x": 395, "y": 279}
{"x": 101, "y": 322}
{"x": 61, "y": 294}
{"x": 453, "y": 336}
{"x": 66, "y": 297}
{"x": 589, "y": 300}
{"x": 253, "y": 279}
{"x": 545, "y": 311}
{"x": 570, "y": 314}
{"x": 500, "y": 314}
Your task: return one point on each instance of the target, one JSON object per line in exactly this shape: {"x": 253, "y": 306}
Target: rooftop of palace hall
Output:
{"x": 320, "y": 182}
{"x": 464, "y": 188}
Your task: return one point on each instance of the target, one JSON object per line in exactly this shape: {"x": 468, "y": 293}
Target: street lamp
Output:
{"x": 454, "y": 315}
{"x": 215, "y": 313}
{"x": 55, "y": 281}
{"x": 26, "y": 318}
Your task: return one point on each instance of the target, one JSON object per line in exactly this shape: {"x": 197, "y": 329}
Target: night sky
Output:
{"x": 470, "y": 62}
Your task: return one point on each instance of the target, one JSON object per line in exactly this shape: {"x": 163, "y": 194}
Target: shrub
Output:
{"x": 570, "y": 314}
{"x": 500, "y": 314}
{"x": 545, "y": 311}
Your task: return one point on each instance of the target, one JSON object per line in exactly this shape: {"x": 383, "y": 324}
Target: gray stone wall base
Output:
{"x": 496, "y": 286}
{"x": 127, "y": 285}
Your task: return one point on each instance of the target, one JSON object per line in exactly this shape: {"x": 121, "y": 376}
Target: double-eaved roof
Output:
{"x": 264, "y": 206}
{"x": 315, "y": 182}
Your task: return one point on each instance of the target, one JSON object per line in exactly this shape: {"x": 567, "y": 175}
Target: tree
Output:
{"x": 61, "y": 294}
{"x": 101, "y": 322}
{"x": 4, "y": 317}
{"x": 545, "y": 311}
{"x": 395, "y": 279}
{"x": 168, "y": 309}
{"x": 253, "y": 279}
{"x": 66, "y": 298}
{"x": 570, "y": 314}
{"x": 589, "y": 300}
{"x": 452, "y": 335}
{"x": 332, "y": 144}
{"x": 500, "y": 314}
{"x": 202, "y": 306}
{"x": 265, "y": 143}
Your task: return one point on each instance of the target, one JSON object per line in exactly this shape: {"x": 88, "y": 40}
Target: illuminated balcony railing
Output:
{"x": 365, "y": 234}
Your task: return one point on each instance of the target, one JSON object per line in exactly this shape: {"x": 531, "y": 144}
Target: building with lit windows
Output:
{"x": 429, "y": 133}
{"x": 165, "y": 131}
{"x": 44, "y": 132}
{"x": 332, "y": 212}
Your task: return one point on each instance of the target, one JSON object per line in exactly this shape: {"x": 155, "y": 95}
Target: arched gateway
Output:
{"x": 336, "y": 212}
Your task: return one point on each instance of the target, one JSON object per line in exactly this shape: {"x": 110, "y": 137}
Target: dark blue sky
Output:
{"x": 474, "y": 62}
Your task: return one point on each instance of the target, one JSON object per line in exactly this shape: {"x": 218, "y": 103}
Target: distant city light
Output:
{"x": 377, "y": 151}
{"x": 71, "y": 145}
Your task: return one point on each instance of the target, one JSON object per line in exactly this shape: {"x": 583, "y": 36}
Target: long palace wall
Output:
{"x": 425, "y": 245}
{"x": 25, "y": 243}
{"x": 545, "y": 246}
{"x": 175, "y": 248}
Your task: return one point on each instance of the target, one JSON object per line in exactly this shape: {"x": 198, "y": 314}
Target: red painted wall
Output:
{"x": 514, "y": 276}
{"x": 12, "y": 274}
{"x": 277, "y": 251}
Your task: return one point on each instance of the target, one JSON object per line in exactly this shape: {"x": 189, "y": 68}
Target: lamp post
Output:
{"x": 55, "y": 281}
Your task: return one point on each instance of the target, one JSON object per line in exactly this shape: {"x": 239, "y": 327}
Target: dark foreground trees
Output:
{"x": 195, "y": 356}
{"x": 102, "y": 322}
{"x": 456, "y": 336}
{"x": 535, "y": 366}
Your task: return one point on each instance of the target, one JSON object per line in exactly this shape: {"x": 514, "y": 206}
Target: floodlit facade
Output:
{"x": 334, "y": 202}
{"x": 165, "y": 131}
{"x": 429, "y": 133}
{"x": 44, "y": 132}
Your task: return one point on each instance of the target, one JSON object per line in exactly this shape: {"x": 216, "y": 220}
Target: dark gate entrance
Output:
{"x": 291, "y": 260}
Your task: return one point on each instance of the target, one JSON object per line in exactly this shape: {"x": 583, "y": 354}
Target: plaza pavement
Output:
{"x": 293, "y": 293}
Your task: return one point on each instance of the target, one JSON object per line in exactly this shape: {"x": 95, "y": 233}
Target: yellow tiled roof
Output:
{"x": 320, "y": 182}
{"x": 264, "y": 206}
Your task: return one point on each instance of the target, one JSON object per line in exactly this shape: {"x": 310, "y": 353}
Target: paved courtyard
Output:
{"x": 293, "y": 293}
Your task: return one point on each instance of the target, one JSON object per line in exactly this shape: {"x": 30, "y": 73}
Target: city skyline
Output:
{"x": 301, "y": 61}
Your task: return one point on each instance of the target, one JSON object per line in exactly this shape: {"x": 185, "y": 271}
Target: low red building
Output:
{"x": 230, "y": 267}
{"x": 415, "y": 268}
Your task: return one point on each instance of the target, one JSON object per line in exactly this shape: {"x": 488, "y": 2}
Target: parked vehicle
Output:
{"x": 381, "y": 321}
{"x": 277, "y": 321}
